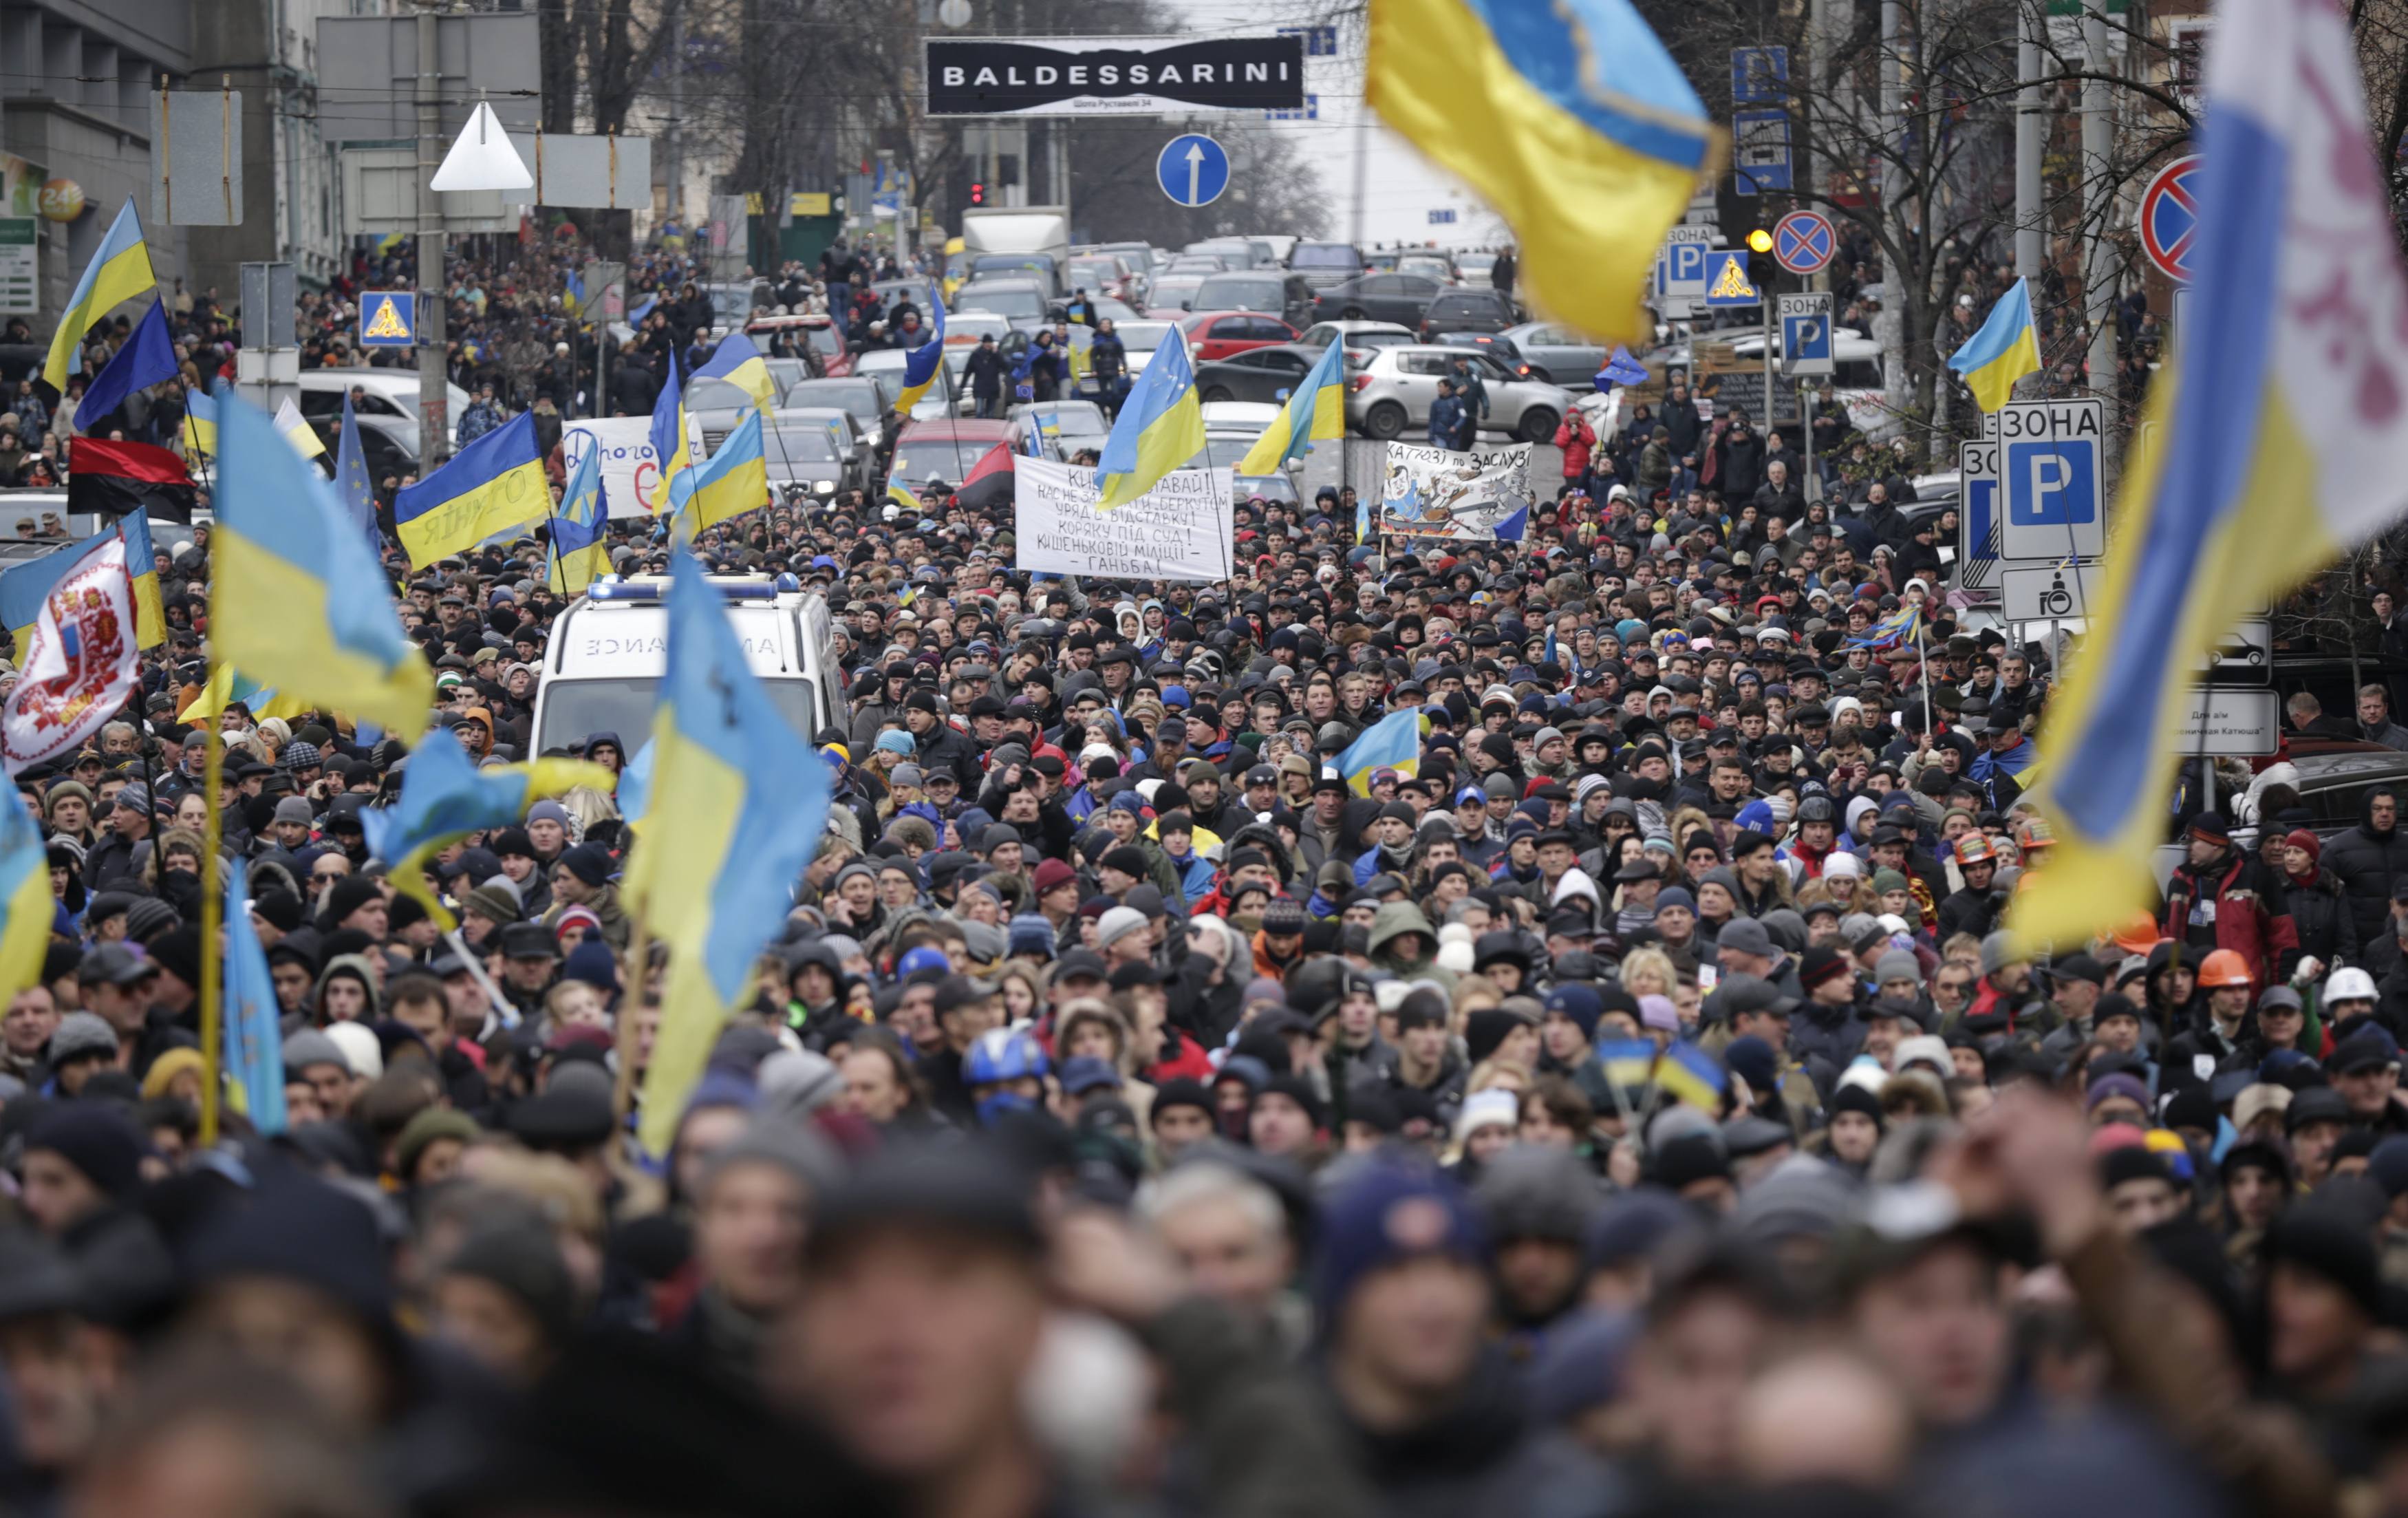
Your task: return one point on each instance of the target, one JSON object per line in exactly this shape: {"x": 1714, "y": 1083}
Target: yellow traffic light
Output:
{"x": 1761, "y": 240}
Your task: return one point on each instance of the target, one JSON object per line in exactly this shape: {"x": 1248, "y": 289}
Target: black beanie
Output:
{"x": 1299, "y": 1089}
{"x": 97, "y": 1140}
{"x": 2130, "y": 1162}
{"x": 2322, "y": 1239}
{"x": 348, "y": 896}
{"x": 1182, "y": 1092}
{"x": 1857, "y": 1098}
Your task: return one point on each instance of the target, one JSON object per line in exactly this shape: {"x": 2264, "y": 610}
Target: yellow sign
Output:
{"x": 1732, "y": 283}
{"x": 809, "y": 203}
{"x": 387, "y": 323}
{"x": 752, "y": 203}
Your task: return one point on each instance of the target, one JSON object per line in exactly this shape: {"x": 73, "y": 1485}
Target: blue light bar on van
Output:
{"x": 648, "y": 592}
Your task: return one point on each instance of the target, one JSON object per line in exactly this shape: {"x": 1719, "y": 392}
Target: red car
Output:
{"x": 1215, "y": 335}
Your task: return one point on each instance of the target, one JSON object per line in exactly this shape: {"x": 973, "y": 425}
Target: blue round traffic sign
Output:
{"x": 2170, "y": 218}
{"x": 1803, "y": 242}
{"x": 1192, "y": 169}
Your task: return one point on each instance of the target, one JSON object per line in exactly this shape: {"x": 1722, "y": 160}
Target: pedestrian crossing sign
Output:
{"x": 1727, "y": 280}
{"x": 388, "y": 318}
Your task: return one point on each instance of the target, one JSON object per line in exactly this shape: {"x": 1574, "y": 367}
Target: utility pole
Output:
{"x": 433, "y": 404}
{"x": 2032, "y": 119}
{"x": 2098, "y": 271}
{"x": 1889, "y": 326}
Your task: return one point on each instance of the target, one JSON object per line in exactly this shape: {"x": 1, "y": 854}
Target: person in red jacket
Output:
{"x": 1578, "y": 440}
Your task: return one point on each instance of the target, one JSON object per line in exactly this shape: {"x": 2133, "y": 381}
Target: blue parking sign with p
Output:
{"x": 2052, "y": 484}
{"x": 2050, "y": 479}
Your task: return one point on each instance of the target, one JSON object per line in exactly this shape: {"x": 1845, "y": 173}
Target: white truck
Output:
{"x": 996, "y": 233}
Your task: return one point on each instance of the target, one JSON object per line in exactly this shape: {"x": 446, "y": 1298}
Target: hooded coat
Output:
{"x": 2367, "y": 863}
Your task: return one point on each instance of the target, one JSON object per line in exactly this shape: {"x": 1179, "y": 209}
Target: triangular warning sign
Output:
{"x": 387, "y": 323}
{"x": 1731, "y": 283}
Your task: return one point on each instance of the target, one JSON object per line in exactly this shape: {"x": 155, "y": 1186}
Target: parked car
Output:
{"x": 1322, "y": 265}
{"x": 1360, "y": 337}
{"x": 1139, "y": 341}
{"x": 857, "y": 450}
{"x": 1218, "y": 335}
{"x": 861, "y": 397}
{"x": 1498, "y": 346}
{"x": 1284, "y": 296}
{"x": 718, "y": 406}
{"x": 1063, "y": 427}
{"x": 1558, "y": 354}
{"x": 1026, "y": 303}
{"x": 1101, "y": 274}
{"x": 1377, "y": 297}
{"x": 1197, "y": 264}
{"x": 1233, "y": 253}
{"x": 1258, "y": 374}
{"x": 804, "y": 452}
{"x": 1428, "y": 266}
{"x": 1173, "y": 292}
{"x": 885, "y": 364}
{"x": 1465, "y": 308}
{"x": 1393, "y": 391}
{"x": 813, "y": 330}
{"x": 947, "y": 450}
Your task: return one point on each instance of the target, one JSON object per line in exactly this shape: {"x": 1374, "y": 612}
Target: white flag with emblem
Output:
{"x": 81, "y": 666}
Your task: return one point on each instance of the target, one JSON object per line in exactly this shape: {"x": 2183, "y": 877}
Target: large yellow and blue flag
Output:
{"x": 919, "y": 365}
{"x": 2005, "y": 349}
{"x": 253, "y": 1060}
{"x": 118, "y": 271}
{"x": 740, "y": 364}
{"x": 731, "y": 821}
{"x": 494, "y": 484}
{"x": 200, "y": 420}
{"x": 1315, "y": 413}
{"x": 1688, "y": 1072}
{"x": 1904, "y": 625}
{"x": 2272, "y": 442}
{"x": 24, "y": 587}
{"x": 1160, "y": 427}
{"x": 25, "y": 899}
{"x": 226, "y": 686}
{"x": 732, "y": 481}
{"x": 148, "y": 358}
{"x": 579, "y": 553}
{"x": 444, "y": 797}
{"x": 670, "y": 446}
{"x": 1571, "y": 118}
{"x": 298, "y": 601}
{"x": 1393, "y": 742}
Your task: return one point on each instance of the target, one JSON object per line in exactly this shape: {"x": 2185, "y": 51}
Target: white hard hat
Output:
{"x": 2349, "y": 985}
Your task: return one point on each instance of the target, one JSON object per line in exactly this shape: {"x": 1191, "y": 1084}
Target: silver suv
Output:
{"x": 1391, "y": 392}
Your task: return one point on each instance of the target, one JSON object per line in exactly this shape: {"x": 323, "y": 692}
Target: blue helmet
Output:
{"x": 923, "y": 958}
{"x": 1001, "y": 1055}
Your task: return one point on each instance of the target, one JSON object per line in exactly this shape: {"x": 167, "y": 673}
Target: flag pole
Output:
{"x": 631, "y": 1004}
{"x": 213, "y": 921}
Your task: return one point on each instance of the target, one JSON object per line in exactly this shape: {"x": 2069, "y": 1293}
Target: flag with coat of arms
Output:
{"x": 82, "y": 665}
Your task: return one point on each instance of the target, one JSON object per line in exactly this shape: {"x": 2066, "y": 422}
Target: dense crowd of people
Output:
{"x": 1633, "y": 1102}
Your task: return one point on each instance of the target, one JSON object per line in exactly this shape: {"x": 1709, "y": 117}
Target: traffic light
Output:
{"x": 1761, "y": 240}
{"x": 978, "y": 194}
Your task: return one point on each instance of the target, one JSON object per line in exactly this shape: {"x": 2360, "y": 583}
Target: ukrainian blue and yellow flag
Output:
{"x": 740, "y": 364}
{"x": 732, "y": 481}
{"x": 297, "y": 432}
{"x": 579, "y": 553}
{"x": 24, "y": 587}
{"x": 670, "y": 446}
{"x": 1628, "y": 1063}
{"x": 1393, "y": 742}
{"x": 492, "y": 485}
{"x": 25, "y": 897}
{"x": 1315, "y": 413}
{"x": 298, "y": 601}
{"x": 1571, "y": 119}
{"x": 1688, "y": 1072}
{"x": 1901, "y": 626}
{"x": 2272, "y": 443}
{"x": 445, "y": 797}
{"x": 2003, "y": 351}
{"x": 919, "y": 365}
{"x": 1160, "y": 427}
{"x": 148, "y": 357}
{"x": 253, "y": 1060}
{"x": 731, "y": 823}
{"x": 226, "y": 686}
{"x": 200, "y": 421}
{"x": 118, "y": 271}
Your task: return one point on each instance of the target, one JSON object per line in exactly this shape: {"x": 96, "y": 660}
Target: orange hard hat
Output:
{"x": 1977, "y": 847}
{"x": 2137, "y": 937}
{"x": 2225, "y": 967}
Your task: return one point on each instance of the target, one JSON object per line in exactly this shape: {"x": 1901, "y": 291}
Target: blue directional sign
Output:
{"x": 1727, "y": 282}
{"x": 2049, "y": 471}
{"x": 1760, "y": 152}
{"x": 1192, "y": 169}
{"x": 388, "y": 318}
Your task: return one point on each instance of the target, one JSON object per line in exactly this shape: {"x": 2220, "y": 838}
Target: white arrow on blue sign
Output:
{"x": 1192, "y": 169}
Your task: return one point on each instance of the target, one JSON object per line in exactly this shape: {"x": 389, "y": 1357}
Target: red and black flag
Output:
{"x": 990, "y": 481}
{"x": 116, "y": 479}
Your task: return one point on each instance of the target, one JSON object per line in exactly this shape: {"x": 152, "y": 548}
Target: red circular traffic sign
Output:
{"x": 2170, "y": 218}
{"x": 1804, "y": 243}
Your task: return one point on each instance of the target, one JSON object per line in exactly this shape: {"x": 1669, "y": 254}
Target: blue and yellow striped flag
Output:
{"x": 25, "y": 897}
{"x": 1628, "y": 1063}
{"x": 118, "y": 271}
{"x": 226, "y": 686}
{"x": 1571, "y": 118}
{"x": 732, "y": 481}
{"x": 672, "y": 450}
{"x": 494, "y": 484}
{"x": 1901, "y": 626}
{"x": 1688, "y": 1072}
{"x": 1315, "y": 413}
{"x": 2003, "y": 351}
{"x": 579, "y": 553}
{"x": 919, "y": 365}
{"x": 24, "y": 587}
{"x": 1393, "y": 742}
{"x": 200, "y": 421}
{"x": 444, "y": 798}
{"x": 253, "y": 1058}
{"x": 296, "y": 601}
{"x": 740, "y": 364}
{"x": 1160, "y": 427}
{"x": 731, "y": 823}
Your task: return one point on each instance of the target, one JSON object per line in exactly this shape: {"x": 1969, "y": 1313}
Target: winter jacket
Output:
{"x": 1576, "y": 437}
{"x": 2321, "y": 918}
{"x": 2367, "y": 864}
{"x": 2248, "y": 918}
